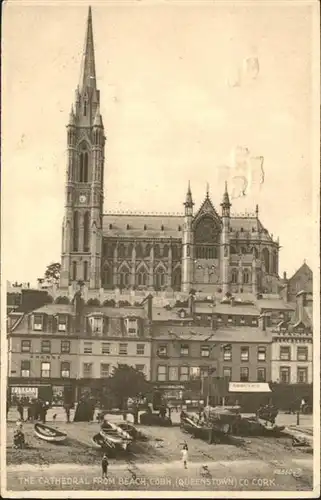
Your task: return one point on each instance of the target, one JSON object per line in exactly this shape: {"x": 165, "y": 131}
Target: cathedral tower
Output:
{"x": 187, "y": 250}
{"x": 225, "y": 242}
{"x": 82, "y": 225}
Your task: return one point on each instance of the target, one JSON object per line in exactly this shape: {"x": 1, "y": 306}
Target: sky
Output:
{"x": 177, "y": 98}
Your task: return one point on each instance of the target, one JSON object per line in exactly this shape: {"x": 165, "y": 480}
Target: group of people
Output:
{"x": 36, "y": 409}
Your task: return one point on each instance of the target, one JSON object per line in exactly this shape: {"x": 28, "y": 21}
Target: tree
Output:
{"x": 127, "y": 382}
{"x": 52, "y": 273}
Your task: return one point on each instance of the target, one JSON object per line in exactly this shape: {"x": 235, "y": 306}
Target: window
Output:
{"x": 25, "y": 368}
{"x": 87, "y": 369}
{"x": 261, "y": 375}
{"x": 88, "y": 347}
{"x": 83, "y": 177}
{"x": 85, "y": 271}
{"x": 205, "y": 351}
{"x": 74, "y": 271}
{"x": 229, "y": 319}
{"x": 161, "y": 373}
{"x": 65, "y": 346}
{"x": 123, "y": 349}
{"x": 65, "y": 369}
{"x": 246, "y": 276}
{"x": 131, "y": 327}
{"x": 285, "y": 353}
{"x": 242, "y": 320}
{"x": 244, "y": 374}
{"x": 219, "y": 318}
{"x": 162, "y": 350}
{"x": 37, "y": 322}
{"x": 45, "y": 346}
{"x": 140, "y": 368}
{"x": 285, "y": 374}
{"x": 140, "y": 349}
{"x": 194, "y": 371}
{"x": 96, "y": 325}
{"x": 62, "y": 323}
{"x": 244, "y": 353}
{"x": 173, "y": 373}
{"x": 142, "y": 278}
{"x": 234, "y": 276}
{"x": 184, "y": 350}
{"x": 86, "y": 232}
{"x": 261, "y": 354}
{"x": 302, "y": 376}
{"x": 227, "y": 353}
{"x": 104, "y": 370}
{"x": 302, "y": 354}
{"x": 45, "y": 369}
{"x": 105, "y": 348}
{"x": 227, "y": 373}
{"x": 254, "y": 322}
{"x": 184, "y": 373}
{"x": 76, "y": 232}
{"x": 124, "y": 278}
{"x": 25, "y": 346}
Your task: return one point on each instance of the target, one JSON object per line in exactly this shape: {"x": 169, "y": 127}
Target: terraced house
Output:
{"x": 62, "y": 348}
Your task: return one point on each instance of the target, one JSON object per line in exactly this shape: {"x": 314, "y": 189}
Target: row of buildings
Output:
{"x": 72, "y": 345}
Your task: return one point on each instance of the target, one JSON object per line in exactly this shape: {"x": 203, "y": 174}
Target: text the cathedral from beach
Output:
{"x": 208, "y": 249}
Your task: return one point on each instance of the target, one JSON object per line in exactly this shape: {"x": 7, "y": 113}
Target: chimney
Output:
{"x": 191, "y": 304}
{"x": 262, "y": 322}
{"x": 301, "y": 302}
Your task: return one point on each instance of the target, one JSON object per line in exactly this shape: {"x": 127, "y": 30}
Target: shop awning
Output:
{"x": 249, "y": 387}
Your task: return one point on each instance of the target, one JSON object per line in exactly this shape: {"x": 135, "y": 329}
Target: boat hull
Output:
{"x": 49, "y": 434}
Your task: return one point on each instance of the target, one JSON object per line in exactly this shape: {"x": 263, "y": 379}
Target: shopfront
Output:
{"x": 56, "y": 392}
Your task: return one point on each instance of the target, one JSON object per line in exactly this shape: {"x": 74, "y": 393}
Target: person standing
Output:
{"x": 185, "y": 455}
{"x": 104, "y": 465}
{"x": 20, "y": 410}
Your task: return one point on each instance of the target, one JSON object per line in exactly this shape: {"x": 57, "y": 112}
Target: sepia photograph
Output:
{"x": 160, "y": 332}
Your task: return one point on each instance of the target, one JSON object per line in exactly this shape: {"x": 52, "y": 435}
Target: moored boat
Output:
{"x": 110, "y": 433}
{"x": 48, "y": 433}
{"x": 100, "y": 442}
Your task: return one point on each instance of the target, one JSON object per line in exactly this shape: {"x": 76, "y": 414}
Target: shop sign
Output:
{"x": 29, "y": 392}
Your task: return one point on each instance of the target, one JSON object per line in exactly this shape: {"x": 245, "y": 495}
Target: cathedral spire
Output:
{"x": 226, "y": 199}
{"x": 88, "y": 72}
{"x": 189, "y": 199}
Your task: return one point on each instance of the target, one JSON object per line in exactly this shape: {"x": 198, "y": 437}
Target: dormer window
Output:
{"x": 131, "y": 325}
{"x": 97, "y": 325}
{"x": 38, "y": 322}
{"x": 62, "y": 322}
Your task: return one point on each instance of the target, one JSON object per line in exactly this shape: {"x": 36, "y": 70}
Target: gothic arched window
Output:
{"x": 107, "y": 276}
{"x": 85, "y": 270}
{"x": 206, "y": 230}
{"x": 266, "y": 259}
{"x": 124, "y": 277}
{"x": 165, "y": 251}
{"x": 121, "y": 251}
{"x": 139, "y": 251}
{"x": 174, "y": 252}
{"x": 274, "y": 262}
{"x": 76, "y": 232}
{"x": 255, "y": 252}
{"x": 246, "y": 276}
{"x": 74, "y": 271}
{"x": 177, "y": 279}
{"x": 156, "y": 251}
{"x": 234, "y": 276}
{"x": 83, "y": 167}
{"x": 141, "y": 278}
{"x": 147, "y": 250}
{"x": 160, "y": 278}
{"x": 86, "y": 231}
{"x": 130, "y": 250}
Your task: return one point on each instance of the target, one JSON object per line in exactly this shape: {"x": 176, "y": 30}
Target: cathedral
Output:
{"x": 207, "y": 250}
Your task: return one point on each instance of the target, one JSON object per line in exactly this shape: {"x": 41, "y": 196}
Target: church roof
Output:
{"x": 143, "y": 225}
